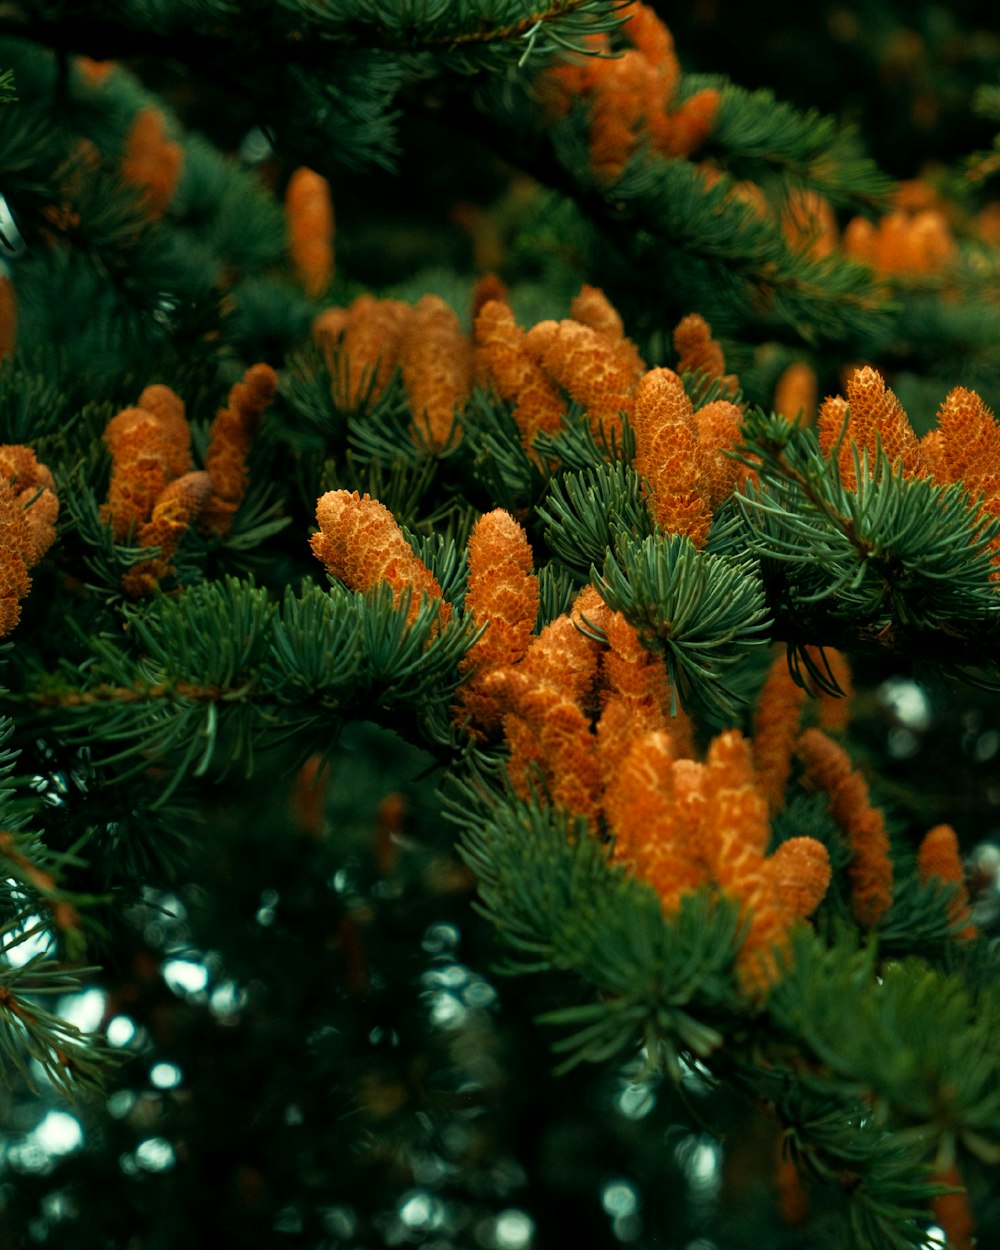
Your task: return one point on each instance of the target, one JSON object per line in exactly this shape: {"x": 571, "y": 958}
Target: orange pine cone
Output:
{"x": 149, "y": 447}
{"x": 176, "y": 508}
{"x": 697, "y": 351}
{"x": 139, "y": 470}
{"x": 828, "y": 768}
{"x": 719, "y": 426}
{"x": 793, "y": 1200}
{"x": 327, "y": 331}
{"x": 933, "y": 455}
{"x": 151, "y": 161}
{"x": 563, "y": 657}
{"x": 15, "y": 549}
{"x": 502, "y": 595}
{"x": 776, "y": 728}
{"x": 730, "y": 772}
{"x": 639, "y": 807}
{"x": 95, "y": 73}
{"x": 648, "y": 33}
{"x": 568, "y": 753}
{"x": 174, "y": 433}
{"x": 801, "y": 870}
{"x": 229, "y": 443}
{"x": 877, "y": 413}
{"x": 736, "y": 833}
{"x": 503, "y": 361}
{"x": 832, "y": 425}
{"x": 939, "y": 856}
{"x": 550, "y": 741}
{"x": 309, "y": 213}
{"x": 598, "y": 372}
{"x": 591, "y": 307}
{"x": 952, "y": 1211}
{"x": 860, "y": 241}
{"x": 361, "y": 347}
{"x": 635, "y": 698}
{"x": 969, "y": 439}
{"x": 631, "y": 670}
{"x": 307, "y": 797}
{"x": 874, "y": 418}
{"x": 627, "y": 93}
{"x": 32, "y": 530}
{"x": 436, "y": 360}
{"x": 668, "y": 455}
{"x": 360, "y": 542}
{"x": 796, "y": 393}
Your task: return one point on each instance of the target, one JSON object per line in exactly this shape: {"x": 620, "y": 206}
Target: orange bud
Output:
{"x": 151, "y": 161}
{"x": 776, "y": 727}
{"x": 230, "y": 437}
{"x": 307, "y": 798}
{"x": 600, "y": 373}
{"x": 668, "y": 455}
{"x": 593, "y": 308}
{"x": 150, "y": 445}
{"x": 969, "y": 438}
{"x": 876, "y": 413}
{"x": 371, "y": 343}
{"x": 436, "y": 361}
{"x": 489, "y": 287}
{"x": 801, "y": 870}
{"x": 795, "y": 394}
{"x": 793, "y": 1200}
{"x": 503, "y": 361}
{"x": 502, "y": 595}
{"x": 719, "y": 426}
{"x": 360, "y": 542}
{"x": 177, "y": 506}
{"x": 828, "y": 768}
{"x": 835, "y": 710}
{"x": 939, "y": 856}
{"x": 639, "y": 806}
{"x": 697, "y": 351}
{"x": 690, "y": 125}
{"x": 309, "y": 212}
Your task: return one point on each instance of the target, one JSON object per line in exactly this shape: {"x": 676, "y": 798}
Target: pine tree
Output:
{"x": 499, "y": 564}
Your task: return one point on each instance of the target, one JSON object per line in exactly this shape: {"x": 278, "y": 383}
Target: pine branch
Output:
{"x": 703, "y": 612}
{"x": 898, "y": 563}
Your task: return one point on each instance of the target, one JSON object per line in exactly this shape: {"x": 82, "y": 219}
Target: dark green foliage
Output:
{"x": 702, "y": 611}
{"x": 330, "y": 1003}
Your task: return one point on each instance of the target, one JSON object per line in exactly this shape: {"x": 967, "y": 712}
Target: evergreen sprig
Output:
{"x": 583, "y": 510}
{"x": 893, "y": 556}
{"x": 548, "y": 888}
{"x": 778, "y": 146}
{"x": 703, "y": 612}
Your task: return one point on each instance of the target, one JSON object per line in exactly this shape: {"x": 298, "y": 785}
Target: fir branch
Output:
{"x": 758, "y": 137}
{"x": 560, "y": 24}
{"x": 75, "y": 1062}
{"x": 582, "y": 512}
{"x": 883, "y": 564}
{"x": 699, "y": 242}
{"x": 703, "y": 612}
{"x": 557, "y": 903}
